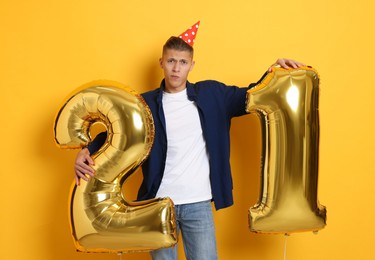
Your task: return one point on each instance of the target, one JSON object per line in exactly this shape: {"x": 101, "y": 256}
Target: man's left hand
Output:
{"x": 286, "y": 64}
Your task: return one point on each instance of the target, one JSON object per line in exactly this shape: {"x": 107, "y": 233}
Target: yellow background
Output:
{"x": 49, "y": 48}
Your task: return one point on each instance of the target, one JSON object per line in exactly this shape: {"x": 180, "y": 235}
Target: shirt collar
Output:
{"x": 189, "y": 90}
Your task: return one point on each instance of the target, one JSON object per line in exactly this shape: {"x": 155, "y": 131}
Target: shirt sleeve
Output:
{"x": 260, "y": 80}
{"x": 98, "y": 142}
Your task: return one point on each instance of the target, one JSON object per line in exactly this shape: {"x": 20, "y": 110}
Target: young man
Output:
{"x": 189, "y": 160}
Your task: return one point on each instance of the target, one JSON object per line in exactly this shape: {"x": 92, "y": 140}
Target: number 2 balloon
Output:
{"x": 102, "y": 219}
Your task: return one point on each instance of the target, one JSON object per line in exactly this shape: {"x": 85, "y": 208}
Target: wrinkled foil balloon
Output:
{"x": 102, "y": 219}
{"x": 286, "y": 102}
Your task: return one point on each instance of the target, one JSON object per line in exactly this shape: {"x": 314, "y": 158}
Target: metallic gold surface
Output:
{"x": 286, "y": 102}
{"x": 102, "y": 219}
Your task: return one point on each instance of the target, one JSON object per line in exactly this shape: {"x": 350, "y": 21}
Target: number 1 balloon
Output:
{"x": 102, "y": 219}
{"x": 286, "y": 102}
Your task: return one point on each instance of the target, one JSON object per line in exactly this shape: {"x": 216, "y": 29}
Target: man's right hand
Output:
{"x": 83, "y": 166}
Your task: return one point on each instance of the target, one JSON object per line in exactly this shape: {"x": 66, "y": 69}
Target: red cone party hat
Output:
{"x": 189, "y": 35}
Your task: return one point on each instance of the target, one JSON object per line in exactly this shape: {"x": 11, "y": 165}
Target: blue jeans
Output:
{"x": 196, "y": 223}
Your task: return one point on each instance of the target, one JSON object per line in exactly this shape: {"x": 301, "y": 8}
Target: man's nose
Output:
{"x": 176, "y": 67}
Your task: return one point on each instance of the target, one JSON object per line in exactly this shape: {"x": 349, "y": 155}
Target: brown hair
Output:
{"x": 176, "y": 43}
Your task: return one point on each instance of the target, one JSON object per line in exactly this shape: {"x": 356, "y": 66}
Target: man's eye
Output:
{"x": 184, "y": 62}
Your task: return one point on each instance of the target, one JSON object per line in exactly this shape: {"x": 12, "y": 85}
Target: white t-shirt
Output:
{"x": 186, "y": 175}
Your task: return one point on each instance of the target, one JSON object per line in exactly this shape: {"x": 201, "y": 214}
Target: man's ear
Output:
{"x": 161, "y": 62}
{"x": 192, "y": 65}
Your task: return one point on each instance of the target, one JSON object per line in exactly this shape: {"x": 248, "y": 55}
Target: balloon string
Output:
{"x": 285, "y": 243}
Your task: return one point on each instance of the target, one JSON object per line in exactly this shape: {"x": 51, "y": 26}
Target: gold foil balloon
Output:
{"x": 286, "y": 101}
{"x": 102, "y": 219}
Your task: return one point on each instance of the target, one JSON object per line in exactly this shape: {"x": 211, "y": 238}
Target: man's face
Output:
{"x": 176, "y": 66}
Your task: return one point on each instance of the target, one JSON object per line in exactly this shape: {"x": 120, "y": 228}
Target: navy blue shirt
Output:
{"x": 217, "y": 105}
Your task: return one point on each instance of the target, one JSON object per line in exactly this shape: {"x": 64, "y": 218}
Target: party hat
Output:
{"x": 189, "y": 35}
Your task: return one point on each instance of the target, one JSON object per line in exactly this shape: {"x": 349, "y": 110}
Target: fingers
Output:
{"x": 294, "y": 64}
{"x": 271, "y": 68}
{"x": 287, "y": 64}
{"x": 84, "y": 171}
{"x": 87, "y": 159}
{"x": 83, "y": 166}
{"x": 77, "y": 180}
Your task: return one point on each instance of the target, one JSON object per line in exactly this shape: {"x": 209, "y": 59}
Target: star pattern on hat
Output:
{"x": 189, "y": 35}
